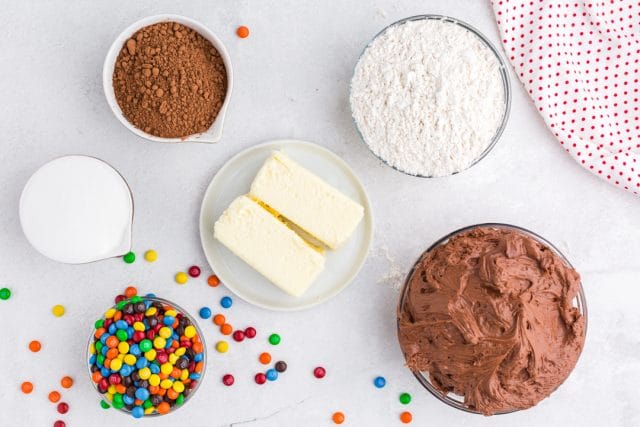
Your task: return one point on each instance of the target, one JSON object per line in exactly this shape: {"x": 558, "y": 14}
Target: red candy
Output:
{"x": 228, "y": 380}
{"x": 250, "y": 332}
{"x": 63, "y": 408}
{"x": 59, "y": 423}
{"x": 120, "y": 298}
{"x": 260, "y": 378}
{"x": 114, "y": 379}
{"x": 194, "y": 271}
{"x": 138, "y": 336}
{"x": 238, "y": 335}
{"x": 319, "y": 372}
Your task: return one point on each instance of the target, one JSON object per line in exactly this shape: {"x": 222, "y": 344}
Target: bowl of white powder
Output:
{"x": 430, "y": 96}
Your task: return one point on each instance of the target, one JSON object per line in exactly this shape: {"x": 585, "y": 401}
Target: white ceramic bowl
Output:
{"x": 214, "y": 133}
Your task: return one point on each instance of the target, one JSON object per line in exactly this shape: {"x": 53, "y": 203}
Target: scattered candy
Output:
{"x": 146, "y": 356}
{"x": 319, "y": 372}
{"x": 338, "y": 417}
{"x": 272, "y": 374}
{"x": 26, "y": 387}
{"x": 242, "y": 32}
{"x": 406, "y": 417}
{"x": 58, "y": 310}
{"x": 260, "y": 378}
{"x": 205, "y": 312}
{"x": 35, "y": 346}
{"x": 226, "y": 302}
{"x": 59, "y": 423}
{"x": 104, "y": 405}
{"x": 219, "y": 319}
{"x": 194, "y": 271}
{"x": 129, "y": 257}
{"x": 265, "y": 358}
{"x": 150, "y": 255}
{"x": 63, "y": 407}
{"x": 238, "y": 336}
{"x": 281, "y": 366}
{"x": 405, "y": 398}
{"x": 5, "y": 294}
{"x": 228, "y": 380}
{"x": 274, "y": 339}
{"x": 226, "y": 329}
{"x": 379, "y": 382}
{"x": 213, "y": 281}
{"x": 250, "y": 332}
{"x": 66, "y": 382}
{"x": 222, "y": 346}
{"x": 181, "y": 278}
{"x": 130, "y": 292}
{"x": 54, "y": 397}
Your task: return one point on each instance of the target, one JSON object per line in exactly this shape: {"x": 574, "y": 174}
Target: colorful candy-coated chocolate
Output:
{"x": 281, "y": 366}
{"x": 319, "y": 372}
{"x": 379, "y": 382}
{"x": 194, "y": 271}
{"x": 63, "y": 407}
{"x": 406, "y": 417}
{"x": 66, "y": 382}
{"x": 219, "y": 319}
{"x": 181, "y": 278}
{"x": 26, "y": 387}
{"x": 129, "y": 257}
{"x": 58, "y": 310}
{"x": 59, "y": 423}
{"x": 226, "y": 302}
{"x": 226, "y": 329}
{"x": 250, "y": 332}
{"x": 137, "y": 412}
{"x": 260, "y": 378}
{"x": 213, "y": 281}
{"x": 150, "y": 255}
{"x": 271, "y": 374}
{"x": 5, "y": 294}
{"x": 130, "y": 292}
{"x": 338, "y": 417}
{"x": 54, "y": 397}
{"x": 35, "y": 346}
{"x": 238, "y": 336}
{"x": 274, "y": 339}
{"x": 205, "y": 312}
{"x": 265, "y": 358}
{"x": 104, "y": 405}
{"x": 405, "y": 398}
{"x": 222, "y": 346}
{"x": 228, "y": 380}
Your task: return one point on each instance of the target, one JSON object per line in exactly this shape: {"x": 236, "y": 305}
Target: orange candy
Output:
{"x": 199, "y": 367}
{"x": 197, "y": 347}
{"x": 54, "y": 397}
{"x": 406, "y": 417}
{"x": 226, "y": 329}
{"x": 242, "y": 32}
{"x": 338, "y": 417}
{"x": 96, "y": 377}
{"x": 66, "y": 382}
{"x": 112, "y": 341}
{"x": 99, "y": 332}
{"x": 120, "y": 388}
{"x": 172, "y": 394}
{"x": 112, "y": 353}
{"x": 213, "y": 281}
{"x": 265, "y": 358}
{"x": 163, "y": 408}
{"x": 26, "y": 387}
{"x": 219, "y": 319}
{"x": 131, "y": 291}
{"x": 35, "y": 346}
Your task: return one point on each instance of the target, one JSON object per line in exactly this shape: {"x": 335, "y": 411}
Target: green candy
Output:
{"x": 104, "y": 405}
{"x": 117, "y": 398}
{"x": 5, "y": 294}
{"x": 99, "y": 346}
{"x": 100, "y": 360}
{"x": 180, "y": 399}
{"x": 129, "y": 257}
{"x": 145, "y": 345}
{"x": 122, "y": 304}
{"x": 274, "y": 339}
{"x": 135, "y": 299}
{"x": 122, "y": 335}
{"x": 99, "y": 323}
{"x": 147, "y": 404}
{"x": 118, "y": 405}
{"x": 405, "y": 398}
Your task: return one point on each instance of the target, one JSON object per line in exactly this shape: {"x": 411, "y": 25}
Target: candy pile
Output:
{"x": 146, "y": 356}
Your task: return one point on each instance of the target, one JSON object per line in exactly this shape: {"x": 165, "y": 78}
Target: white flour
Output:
{"x": 427, "y": 97}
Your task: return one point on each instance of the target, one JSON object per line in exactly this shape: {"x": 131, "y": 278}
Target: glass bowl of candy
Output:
{"x": 146, "y": 356}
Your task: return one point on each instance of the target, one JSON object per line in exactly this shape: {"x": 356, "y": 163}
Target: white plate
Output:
{"x": 234, "y": 179}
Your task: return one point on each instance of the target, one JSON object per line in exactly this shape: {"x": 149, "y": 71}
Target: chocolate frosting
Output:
{"x": 490, "y": 316}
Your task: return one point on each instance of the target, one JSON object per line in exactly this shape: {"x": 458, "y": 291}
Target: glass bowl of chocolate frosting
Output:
{"x": 492, "y": 319}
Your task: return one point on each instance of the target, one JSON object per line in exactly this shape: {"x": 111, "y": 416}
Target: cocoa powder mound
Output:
{"x": 170, "y": 81}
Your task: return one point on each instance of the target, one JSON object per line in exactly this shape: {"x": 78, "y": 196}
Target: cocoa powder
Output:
{"x": 169, "y": 81}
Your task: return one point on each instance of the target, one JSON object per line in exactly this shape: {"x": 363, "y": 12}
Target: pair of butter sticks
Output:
{"x": 259, "y": 235}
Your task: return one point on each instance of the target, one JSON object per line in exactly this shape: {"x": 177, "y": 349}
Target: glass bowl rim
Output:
{"x": 581, "y": 304}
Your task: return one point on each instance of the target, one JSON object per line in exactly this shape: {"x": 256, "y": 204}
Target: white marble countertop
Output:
{"x": 291, "y": 80}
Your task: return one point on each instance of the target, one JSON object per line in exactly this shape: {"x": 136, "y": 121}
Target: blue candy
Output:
{"x": 194, "y": 376}
{"x": 126, "y": 370}
{"x": 150, "y": 295}
{"x": 379, "y": 382}
{"x": 112, "y": 329}
{"x": 142, "y": 362}
{"x": 103, "y": 338}
{"x": 226, "y": 302}
{"x": 121, "y": 324}
{"x": 272, "y": 374}
{"x": 205, "y": 312}
{"x": 92, "y": 359}
{"x": 198, "y": 357}
{"x": 128, "y": 399}
{"x": 135, "y": 350}
{"x": 168, "y": 320}
{"x": 137, "y": 412}
{"x": 142, "y": 394}
{"x": 155, "y": 369}
{"x": 105, "y": 372}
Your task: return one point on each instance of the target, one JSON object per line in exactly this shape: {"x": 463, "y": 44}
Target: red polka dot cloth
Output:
{"x": 579, "y": 61}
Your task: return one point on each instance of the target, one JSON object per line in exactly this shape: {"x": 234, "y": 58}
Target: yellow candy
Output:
{"x": 173, "y": 359}
{"x": 129, "y": 359}
{"x": 123, "y": 347}
{"x": 171, "y": 313}
{"x": 92, "y": 348}
{"x": 154, "y": 380}
{"x": 181, "y": 278}
{"x": 190, "y": 331}
{"x": 159, "y": 342}
{"x": 166, "y": 384}
{"x": 109, "y": 313}
{"x": 150, "y": 355}
{"x": 144, "y": 373}
{"x": 149, "y": 410}
{"x": 109, "y": 396}
{"x": 111, "y": 389}
{"x": 120, "y": 356}
{"x": 180, "y": 351}
{"x": 58, "y": 310}
{"x": 178, "y": 387}
{"x": 184, "y": 375}
{"x": 222, "y": 346}
{"x": 138, "y": 326}
{"x": 166, "y": 368}
{"x": 164, "y": 332}
{"x": 151, "y": 255}
{"x": 150, "y": 311}
{"x": 115, "y": 365}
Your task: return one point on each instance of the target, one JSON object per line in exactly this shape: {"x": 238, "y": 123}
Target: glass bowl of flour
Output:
{"x": 430, "y": 96}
